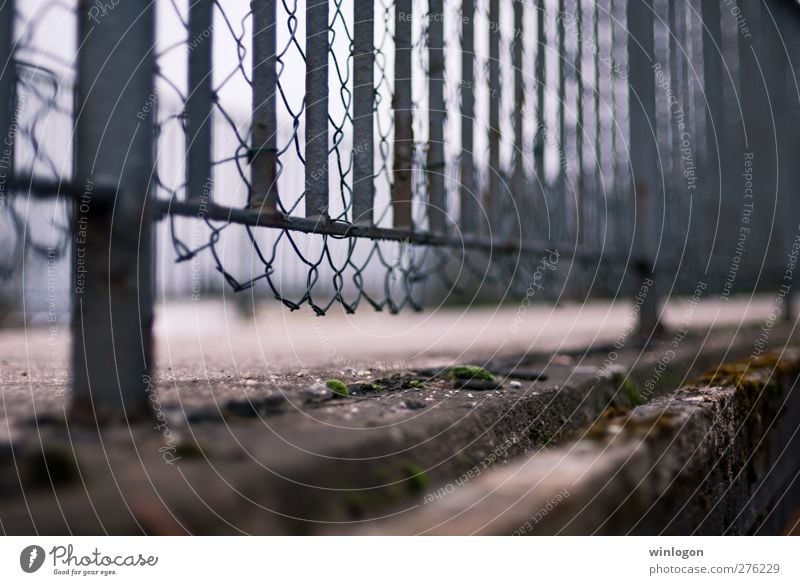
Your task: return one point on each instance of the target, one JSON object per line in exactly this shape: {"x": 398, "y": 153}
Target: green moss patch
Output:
{"x": 471, "y": 373}
{"x": 417, "y": 480}
{"x": 337, "y": 387}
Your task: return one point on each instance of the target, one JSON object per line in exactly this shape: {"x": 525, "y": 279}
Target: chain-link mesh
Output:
{"x": 39, "y": 144}
{"x": 571, "y": 103}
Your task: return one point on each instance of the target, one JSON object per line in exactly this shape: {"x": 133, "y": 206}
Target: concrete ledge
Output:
{"x": 345, "y": 463}
{"x": 719, "y": 457}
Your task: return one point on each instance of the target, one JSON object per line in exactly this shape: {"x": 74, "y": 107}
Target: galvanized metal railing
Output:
{"x": 647, "y": 142}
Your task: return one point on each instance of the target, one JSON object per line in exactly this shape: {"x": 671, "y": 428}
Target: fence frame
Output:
{"x": 112, "y": 190}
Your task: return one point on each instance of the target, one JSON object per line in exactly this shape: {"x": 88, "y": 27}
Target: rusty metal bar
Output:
{"x": 264, "y": 153}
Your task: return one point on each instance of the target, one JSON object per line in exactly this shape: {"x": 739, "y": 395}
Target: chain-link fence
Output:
{"x": 387, "y": 153}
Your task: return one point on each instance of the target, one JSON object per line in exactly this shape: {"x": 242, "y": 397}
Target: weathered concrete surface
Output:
{"x": 719, "y": 457}
{"x": 299, "y": 464}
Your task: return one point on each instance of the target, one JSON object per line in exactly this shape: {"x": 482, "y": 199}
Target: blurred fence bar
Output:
{"x": 7, "y": 106}
{"x": 363, "y": 112}
{"x": 200, "y": 101}
{"x": 580, "y": 128}
{"x": 559, "y": 203}
{"x": 316, "y": 105}
{"x": 494, "y": 188}
{"x": 644, "y": 154}
{"x": 540, "y": 80}
{"x": 715, "y": 128}
{"x": 435, "y": 162}
{"x": 469, "y": 196}
{"x": 112, "y": 301}
{"x": 518, "y": 108}
{"x": 403, "y": 116}
{"x": 263, "y": 154}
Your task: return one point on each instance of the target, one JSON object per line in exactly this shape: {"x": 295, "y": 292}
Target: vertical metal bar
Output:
{"x": 8, "y": 75}
{"x": 469, "y": 194}
{"x": 540, "y": 188}
{"x": 518, "y": 177}
{"x": 363, "y": 112}
{"x": 559, "y": 202}
{"x": 644, "y": 155}
{"x": 598, "y": 187}
{"x": 492, "y": 196}
{"x": 403, "y": 129}
{"x": 754, "y": 97}
{"x": 674, "y": 196}
{"x": 715, "y": 126}
{"x": 316, "y": 105}
{"x": 788, "y": 143}
{"x": 264, "y": 153}
{"x": 112, "y": 232}
{"x": 200, "y": 102}
{"x": 541, "y": 84}
{"x": 435, "y": 162}
{"x": 580, "y": 130}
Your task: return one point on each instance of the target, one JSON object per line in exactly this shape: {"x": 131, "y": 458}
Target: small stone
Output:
{"x": 476, "y": 384}
{"x": 317, "y": 393}
{"x": 515, "y": 384}
{"x": 250, "y": 383}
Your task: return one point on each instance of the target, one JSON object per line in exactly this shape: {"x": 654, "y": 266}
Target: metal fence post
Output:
{"x": 363, "y": 112}
{"x": 492, "y": 196}
{"x": 524, "y": 204}
{"x": 788, "y": 20}
{"x": 469, "y": 188}
{"x": 403, "y": 121}
{"x": 264, "y": 153}
{"x": 112, "y": 230}
{"x": 317, "y": 170}
{"x": 540, "y": 129}
{"x": 580, "y": 130}
{"x": 200, "y": 102}
{"x": 559, "y": 208}
{"x": 8, "y": 76}
{"x": 435, "y": 162}
{"x": 715, "y": 127}
{"x": 644, "y": 157}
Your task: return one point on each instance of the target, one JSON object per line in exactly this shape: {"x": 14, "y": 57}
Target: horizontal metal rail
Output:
{"x": 255, "y": 218}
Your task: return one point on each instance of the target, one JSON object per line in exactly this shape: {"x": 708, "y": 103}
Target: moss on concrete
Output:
{"x": 471, "y": 373}
{"x": 337, "y": 387}
{"x": 417, "y": 479}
